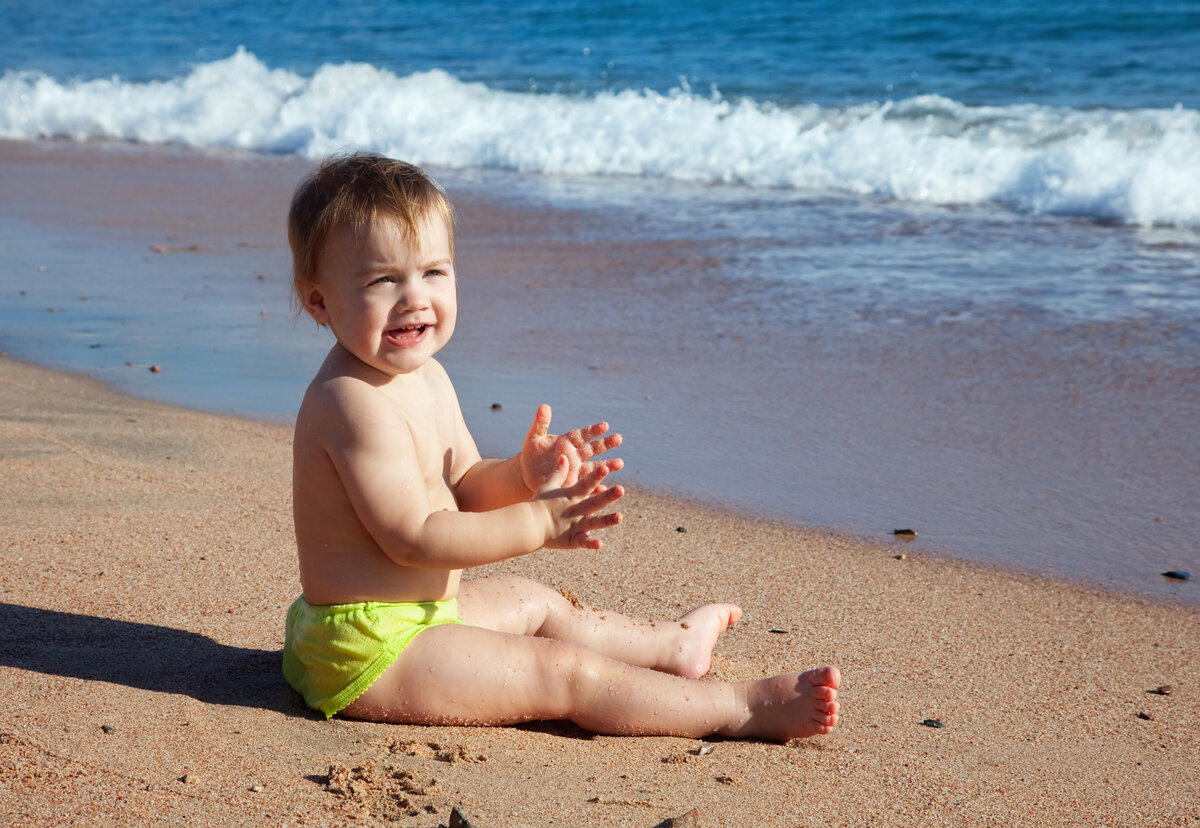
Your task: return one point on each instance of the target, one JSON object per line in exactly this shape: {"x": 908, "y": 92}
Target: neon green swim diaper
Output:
{"x": 332, "y": 654}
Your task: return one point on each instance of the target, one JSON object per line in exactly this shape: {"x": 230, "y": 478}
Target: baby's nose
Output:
{"x": 414, "y": 296}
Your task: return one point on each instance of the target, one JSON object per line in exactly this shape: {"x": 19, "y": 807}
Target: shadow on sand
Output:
{"x": 145, "y": 656}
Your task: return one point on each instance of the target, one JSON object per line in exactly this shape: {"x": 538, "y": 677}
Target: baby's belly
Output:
{"x": 356, "y": 576}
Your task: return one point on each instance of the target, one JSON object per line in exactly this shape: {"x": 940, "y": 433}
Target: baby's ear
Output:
{"x": 314, "y": 303}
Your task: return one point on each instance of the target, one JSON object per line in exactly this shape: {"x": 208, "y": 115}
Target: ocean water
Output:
{"x": 952, "y": 247}
{"x": 1082, "y": 109}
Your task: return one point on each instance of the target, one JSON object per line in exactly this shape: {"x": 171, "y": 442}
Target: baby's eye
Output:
{"x": 383, "y": 280}
{"x": 435, "y": 272}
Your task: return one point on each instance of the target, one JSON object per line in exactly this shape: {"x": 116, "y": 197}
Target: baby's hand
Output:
{"x": 541, "y": 451}
{"x": 572, "y": 509}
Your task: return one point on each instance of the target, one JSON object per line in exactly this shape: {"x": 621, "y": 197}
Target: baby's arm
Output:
{"x": 378, "y": 462}
{"x": 558, "y": 516}
{"x": 489, "y": 484}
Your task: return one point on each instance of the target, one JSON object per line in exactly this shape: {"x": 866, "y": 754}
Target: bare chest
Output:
{"x": 434, "y": 439}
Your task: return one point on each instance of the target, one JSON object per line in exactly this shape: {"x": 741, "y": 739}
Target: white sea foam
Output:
{"x": 1135, "y": 166}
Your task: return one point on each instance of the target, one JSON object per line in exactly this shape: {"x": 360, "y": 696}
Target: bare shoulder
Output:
{"x": 337, "y": 397}
{"x": 341, "y": 409}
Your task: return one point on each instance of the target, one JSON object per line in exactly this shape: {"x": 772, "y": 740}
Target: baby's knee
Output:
{"x": 573, "y": 671}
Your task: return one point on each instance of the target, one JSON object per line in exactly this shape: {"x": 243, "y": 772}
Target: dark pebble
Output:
{"x": 497, "y": 407}
{"x": 779, "y": 632}
{"x": 458, "y": 819}
{"x": 108, "y": 728}
{"x": 680, "y": 529}
{"x": 1146, "y": 716}
{"x": 905, "y": 533}
{"x": 1178, "y": 575}
{"x": 932, "y": 723}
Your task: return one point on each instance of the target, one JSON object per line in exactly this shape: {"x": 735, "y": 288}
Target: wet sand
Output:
{"x": 148, "y": 562}
{"x": 792, "y": 390}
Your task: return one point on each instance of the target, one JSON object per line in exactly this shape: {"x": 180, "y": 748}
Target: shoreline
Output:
{"x": 149, "y": 567}
{"x": 1005, "y": 437}
{"x": 891, "y": 542}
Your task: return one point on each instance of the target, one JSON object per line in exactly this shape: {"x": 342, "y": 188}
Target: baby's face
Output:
{"x": 391, "y": 305}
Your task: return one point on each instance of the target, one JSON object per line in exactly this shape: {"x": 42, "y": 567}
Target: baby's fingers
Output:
{"x": 590, "y": 479}
{"x": 595, "y": 446}
{"x": 541, "y": 423}
{"x": 612, "y": 465}
{"x": 583, "y": 537}
{"x": 599, "y": 500}
{"x": 579, "y": 436}
{"x": 558, "y": 475}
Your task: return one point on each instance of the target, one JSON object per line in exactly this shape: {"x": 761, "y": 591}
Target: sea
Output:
{"x": 927, "y": 266}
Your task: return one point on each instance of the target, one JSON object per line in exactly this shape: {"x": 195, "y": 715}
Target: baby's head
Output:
{"x": 354, "y": 191}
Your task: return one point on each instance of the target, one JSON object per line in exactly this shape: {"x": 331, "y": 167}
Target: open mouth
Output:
{"x": 407, "y": 333}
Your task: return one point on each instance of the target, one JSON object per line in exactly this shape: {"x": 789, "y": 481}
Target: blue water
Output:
{"x": 1078, "y": 54}
{"x": 1083, "y": 109}
{"x": 963, "y": 236}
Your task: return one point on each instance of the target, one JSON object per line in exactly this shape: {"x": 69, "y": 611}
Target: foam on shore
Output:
{"x": 1134, "y": 166}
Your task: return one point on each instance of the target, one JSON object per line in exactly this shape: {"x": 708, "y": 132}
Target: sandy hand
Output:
{"x": 541, "y": 449}
{"x": 573, "y": 511}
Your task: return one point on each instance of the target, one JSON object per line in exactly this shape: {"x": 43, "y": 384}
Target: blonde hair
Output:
{"x": 355, "y": 190}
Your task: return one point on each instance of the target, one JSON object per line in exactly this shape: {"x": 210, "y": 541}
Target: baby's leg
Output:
{"x": 524, "y": 607}
{"x": 461, "y": 675}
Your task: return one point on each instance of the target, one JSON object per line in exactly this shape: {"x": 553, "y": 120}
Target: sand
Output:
{"x": 148, "y": 562}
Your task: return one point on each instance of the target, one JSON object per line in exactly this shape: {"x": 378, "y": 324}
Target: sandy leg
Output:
{"x": 524, "y": 607}
{"x": 691, "y": 655}
{"x": 466, "y": 675}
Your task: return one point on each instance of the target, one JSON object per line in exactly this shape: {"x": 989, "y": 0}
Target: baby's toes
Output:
{"x": 829, "y": 708}
{"x": 823, "y": 693}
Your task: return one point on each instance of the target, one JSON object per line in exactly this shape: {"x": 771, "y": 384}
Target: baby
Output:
{"x": 393, "y": 501}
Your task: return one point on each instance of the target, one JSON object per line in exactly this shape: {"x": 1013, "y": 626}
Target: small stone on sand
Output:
{"x": 458, "y": 819}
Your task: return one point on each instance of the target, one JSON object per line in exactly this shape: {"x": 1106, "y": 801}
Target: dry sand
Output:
{"x": 148, "y": 563}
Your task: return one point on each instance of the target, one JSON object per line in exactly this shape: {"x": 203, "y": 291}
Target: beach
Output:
{"x": 149, "y": 562}
{"x": 894, "y": 306}
{"x": 149, "y": 550}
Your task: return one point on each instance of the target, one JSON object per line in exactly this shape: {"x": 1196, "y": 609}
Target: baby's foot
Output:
{"x": 792, "y": 706}
{"x": 690, "y": 653}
